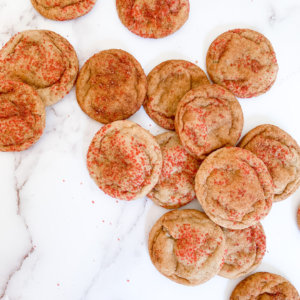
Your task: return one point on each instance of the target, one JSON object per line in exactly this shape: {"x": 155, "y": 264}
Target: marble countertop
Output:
{"x": 61, "y": 237}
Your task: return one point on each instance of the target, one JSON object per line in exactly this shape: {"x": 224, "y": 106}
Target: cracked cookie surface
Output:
{"x": 167, "y": 84}
{"x": 62, "y": 10}
{"x": 22, "y": 116}
{"x": 280, "y": 153}
{"x": 207, "y": 118}
{"x": 264, "y": 286}
{"x": 111, "y": 86}
{"x": 153, "y": 18}
{"x": 234, "y": 187}
{"x": 124, "y": 160}
{"x": 175, "y": 186}
{"x": 245, "y": 251}
{"x": 186, "y": 247}
{"x": 243, "y": 61}
{"x": 42, "y": 59}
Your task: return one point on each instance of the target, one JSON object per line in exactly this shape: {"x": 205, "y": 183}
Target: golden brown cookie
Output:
{"x": 264, "y": 286}
{"x": 175, "y": 186}
{"x": 167, "y": 84}
{"x": 280, "y": 153}
{"x": 42, "y": 59}
{"x": 22, "y": 116}
{"x": 111, "y": 86}
{"x": 234, "y": 188}
{"x": 207, "y": 118}
{"x": 245, "y": 251}
{"x": 186, "y": 247}
{"x": 243, "y": 61}
{"x": 153, "y": 18}
{"x": 124, "y": 160}
{"x": 62, "y": 10}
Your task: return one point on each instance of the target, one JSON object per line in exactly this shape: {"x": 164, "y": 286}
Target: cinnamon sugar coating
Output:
{"x": 207, "y": 118}
{"x": 264, "y": 286}
{"x": 280, "y": 153}
{"x": 42, "y": 59}
{"x": 111, "y": 86}
{"x": 245, "y": 251}
{"x": 167, "y": 84}
{"x": 153, "y": 18}
{"x": 124, "y": 160}
{"x": 175, "y": 186}
{"x": 186, "y": 247}
{"x": 243, "y": 61}
{"x": 234, "y": 188}
{"x": 62, "y": 10}
{"x": 22, "y": 116}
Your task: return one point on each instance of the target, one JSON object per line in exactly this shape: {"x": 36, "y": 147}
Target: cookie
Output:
{"x": 243, "y": 61}
{"x": 153, "y": 18}
{"x": 175, "y": 186}
{"x": 124, "y": 160}
{"x": 264, "y": 286}
{"x": 234, "y": 188}
{"x": 245, "y": 251}
{"x": 207, "y": 118}
{"x": 42, "y": 59}
{"x": 280, "y": 153}
{"x": 62, "y": 10}
{"x": 186, "y": 247}
{"x": 111, "y": 86}
{"x": 167, "y": 84}
{"x": 22, "y": 116}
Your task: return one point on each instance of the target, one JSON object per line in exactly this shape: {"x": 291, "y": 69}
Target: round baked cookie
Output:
{"x": 175, "y": 186}
{"x": 234, "y": 188}
{"x": 186, "y": 247}
{"x": 62, "y": 10}
{"x": 22, "y": 116}
{"x": 111, "y": 86}
{"x": 243, "y": 61}
{"x": 264, "y": 286}
{"x": 245, "y": 251}
{"x": 153, "y": 18}
{"x": 167, "y": 84}
{"x": 42, "y": 59}
{"x": 280, "y": 153}
{"x": 207, "y": 118}
{"x": 124, "y": 160}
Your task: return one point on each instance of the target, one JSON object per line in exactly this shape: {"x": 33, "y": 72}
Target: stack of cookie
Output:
{"x": 37, "y": 69}
{"x": 235, "y": 186}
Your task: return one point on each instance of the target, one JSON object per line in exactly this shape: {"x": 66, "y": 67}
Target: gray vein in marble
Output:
{"x": 110, "y": 259}
{"x": 18, "y": 188}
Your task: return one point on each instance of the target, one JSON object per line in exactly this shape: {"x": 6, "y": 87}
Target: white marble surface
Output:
{"x": 61, "y": 238}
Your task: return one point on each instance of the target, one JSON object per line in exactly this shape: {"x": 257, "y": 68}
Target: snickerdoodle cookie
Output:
{"x": 175, "y": 186}
{"x": 280, "y": 153}
{"x": 264, "y": 286}
{"x": 124, "y": 160}
{"x": 22, "y": 116}
{"x": 61, "y": 10}
{"x": 42, "y": 59}
{"x": 186, "y": 246}
{"x": 207, "y": 118}
{"x": 243, "y": 61}
{"x": 153, "y": 18}
{"x": 167, "y": 84}
{"x": 245, "y": 251}
{"x": 111, "y": 86}
{"x": 298, "y": 217}
{"x": 234, "y": 188}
